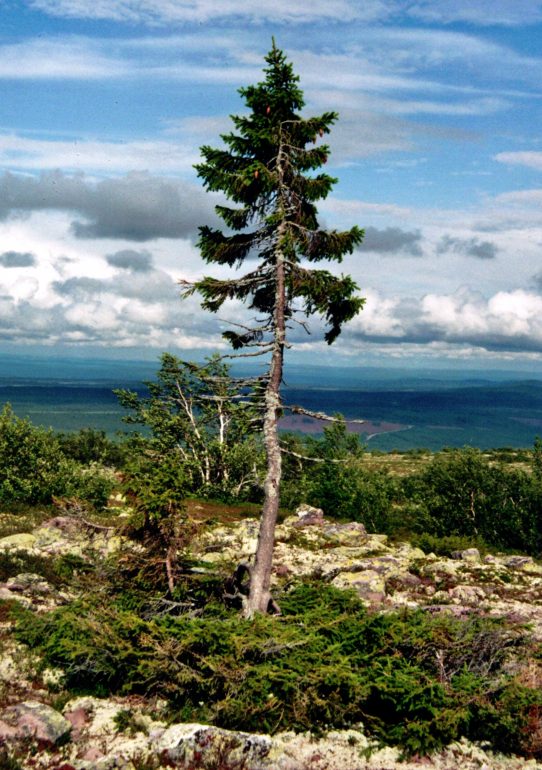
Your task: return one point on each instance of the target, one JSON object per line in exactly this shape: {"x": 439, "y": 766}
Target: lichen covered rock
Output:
{"x": 37, "y": 721}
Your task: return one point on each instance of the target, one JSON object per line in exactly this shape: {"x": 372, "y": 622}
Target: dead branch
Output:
{"x": 319, "y": 415}
{"x": 313, "y": 459}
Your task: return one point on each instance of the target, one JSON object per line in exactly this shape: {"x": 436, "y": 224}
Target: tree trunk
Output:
{"x": 259, "y": 597}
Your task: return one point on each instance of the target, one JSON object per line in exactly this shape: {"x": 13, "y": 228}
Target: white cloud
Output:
{"x": 163, "y": 12}
{"x": 20, "y": 152}
{"x": 154, "y": 314}
{"x": 509, "y": 322}
{"x": 530, "y": 159}
{"x": 356, "y": 208}
{"x": 509, "y": 319}
{"x": 519, "y": 311}
{"x": 59, "y": 58}
{"x": 480, "y": 12}
{"x": 96, "y": 316}
{"x": 354, "y": 71}
{"x": 521, "y": 197}
{"x": 480, "y": 106}
{"x": 378, "y": 318}
{"x": 24, "y": 288}
{"x": 461, "y": 314}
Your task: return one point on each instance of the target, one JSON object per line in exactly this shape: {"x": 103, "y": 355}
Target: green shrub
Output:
{"x": 34, "y": 468}
{"x": 447, "y": 544}
{"x": 92, "y": 446}
{"x": 415, "y": 680}
{"x": 460, "y": 493}
{"x": 196, "y": 420}
{"x": 93, "y": 484}
{"x": 32, "y": 465}
{"x": 350, "y": 492}
{"x": 329, "y": 472}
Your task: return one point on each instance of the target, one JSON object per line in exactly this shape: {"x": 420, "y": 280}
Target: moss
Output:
{"x": 22, "y": 518}
{"x": 56, "y": 571}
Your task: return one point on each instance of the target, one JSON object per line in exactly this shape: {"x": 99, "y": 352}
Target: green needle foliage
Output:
{"x": 412, "y": 679}
{"x": 269, "y": 170}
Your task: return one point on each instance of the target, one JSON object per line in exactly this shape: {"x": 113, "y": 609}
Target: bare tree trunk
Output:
{"x": 259, "y": 598}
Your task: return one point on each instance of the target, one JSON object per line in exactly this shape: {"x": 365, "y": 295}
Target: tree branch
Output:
{"x": 314, "y": 459}
{"x": 320, "y": 415}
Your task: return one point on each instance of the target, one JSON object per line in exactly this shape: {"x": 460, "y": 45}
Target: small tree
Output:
{"x": 197, "y": 424}
{"x": 267, "y": 171}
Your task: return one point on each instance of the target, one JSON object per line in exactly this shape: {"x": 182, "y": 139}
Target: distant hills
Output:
{"x": 404, "y": 408}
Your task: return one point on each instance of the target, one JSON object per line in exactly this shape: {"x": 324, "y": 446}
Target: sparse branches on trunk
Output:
{"x": 269, "y": 171}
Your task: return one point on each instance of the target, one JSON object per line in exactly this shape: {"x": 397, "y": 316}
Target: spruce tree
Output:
{"x": 268, "y": 170}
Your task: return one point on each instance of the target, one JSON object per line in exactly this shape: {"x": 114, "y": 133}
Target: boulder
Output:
{"x": 6, "y": 595}
{"x": 467, "y": 594}
{"x": 471, "y": 555}
{"x": 351, "y": 535}
{"x": 440, "y": 567}
{"x": 22, "y": 541}
{"x": 32, "y": 719}
{"x": 523, "y": 564}
{"x": 195, "y": 744}
{"x": 409, "y": 553}
{"x": 309, "y": 516}
{"x": 97, "y": 715}
{"x": 29, "y": 584}
{"x": 369, "y": 584}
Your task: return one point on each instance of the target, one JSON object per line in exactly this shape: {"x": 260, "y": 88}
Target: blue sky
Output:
{"x": 438, "y": 152}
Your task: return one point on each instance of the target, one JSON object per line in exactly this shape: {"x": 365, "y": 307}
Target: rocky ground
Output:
{"x": 130, "y": 733}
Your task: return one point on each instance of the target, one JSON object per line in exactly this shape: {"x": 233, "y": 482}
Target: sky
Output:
{"x": 438, "y": 154}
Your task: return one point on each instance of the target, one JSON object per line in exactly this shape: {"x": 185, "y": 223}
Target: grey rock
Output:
{"x": 352, "y": 534}
{"x": 471, "y": 555}
{"x": 21, "y": 541}
{"x": 32, "y": 719}
{"x": 211, "y": 746}
{"x": 309, "y": 516}
{"x": 518, "y": 562}
{"x": 29, "y": 583}
{"x": 7, "y": 595}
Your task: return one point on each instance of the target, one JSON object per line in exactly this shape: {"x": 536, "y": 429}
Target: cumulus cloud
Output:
{"x": 506, "y": 321}
{"x": 17, "y": 259}
{"x": 141, "y": 307}
{"x": 393, "y": 240}
{"x": 80, "y": 287}
{"x": 136, "y": 207}
{"x": 471, "y": 247}
{"x": 148, "y": 286}
{"x": 131, "y": 307}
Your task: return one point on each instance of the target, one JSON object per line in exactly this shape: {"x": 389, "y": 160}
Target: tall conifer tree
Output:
{"x": 268, "y": 170}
